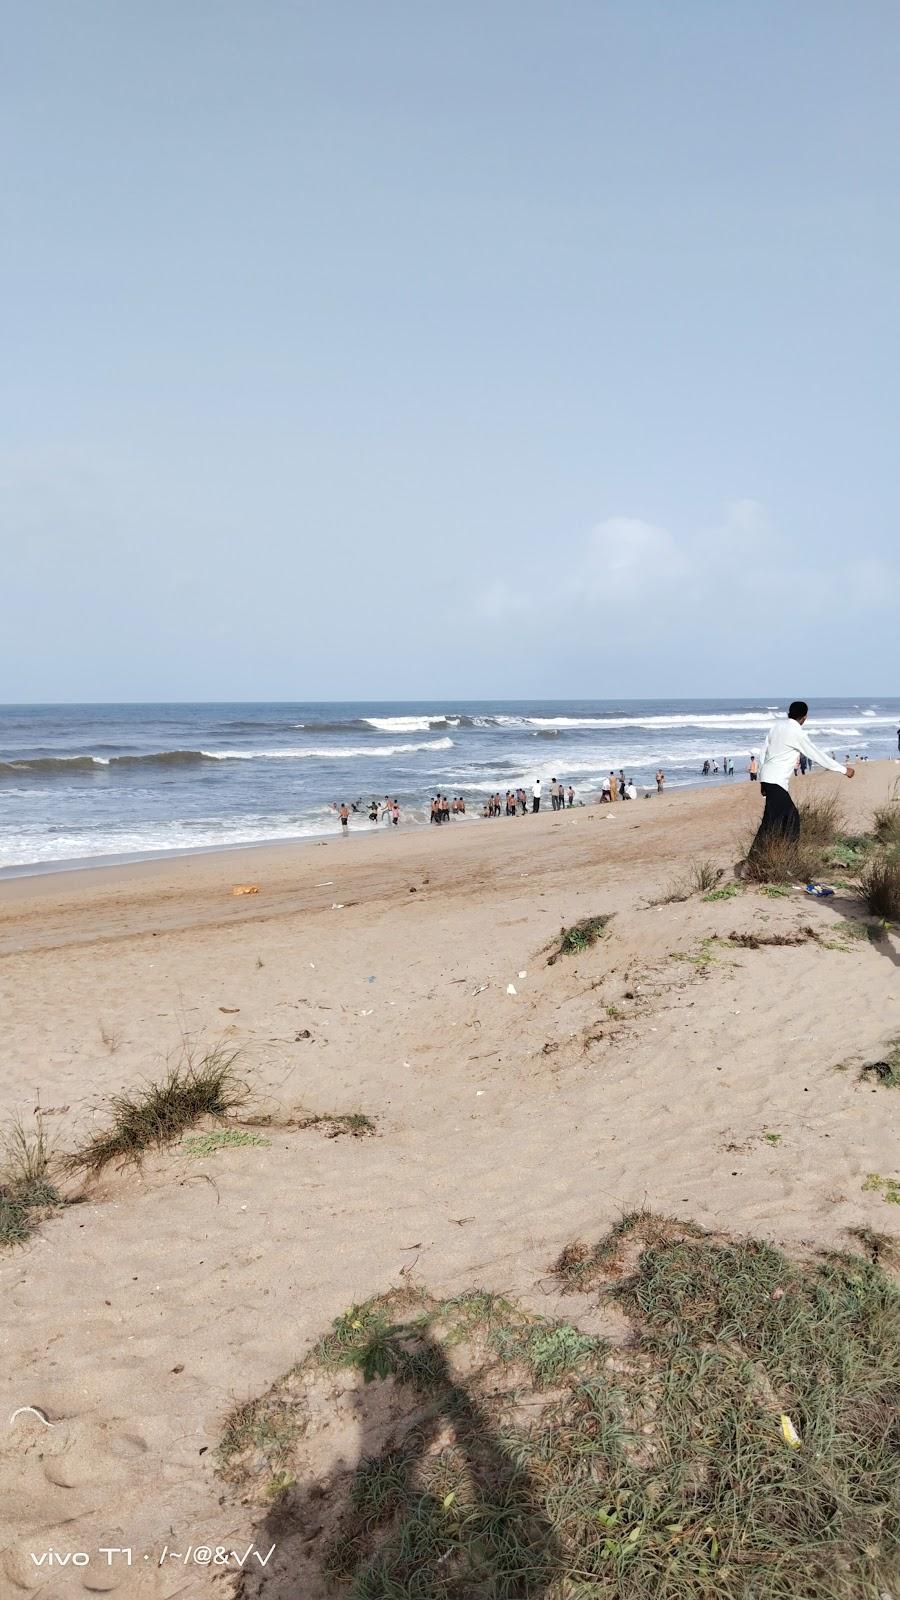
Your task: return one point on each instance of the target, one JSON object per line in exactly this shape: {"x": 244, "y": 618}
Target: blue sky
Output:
{"x": 398, "y": 350}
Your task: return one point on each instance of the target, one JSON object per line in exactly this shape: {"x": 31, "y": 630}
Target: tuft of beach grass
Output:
{"x": 27, "y": 1191}
{"x": 879, "y": 884}
{"x": 777, "y": 860}
{"x": 579, "y": 937}
{"x": 159, "y": 1113}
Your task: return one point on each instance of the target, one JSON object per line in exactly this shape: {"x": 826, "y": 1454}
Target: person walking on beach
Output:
{"x": 344, "y": 816}
{"x": 753, "y": 768}
{"x": 613, "y": 787}
{"x": 571, "y": 797}
{"x": 785, "y": 743}
{"x": 660, "y": 780}
{"x": 536, "y": 796}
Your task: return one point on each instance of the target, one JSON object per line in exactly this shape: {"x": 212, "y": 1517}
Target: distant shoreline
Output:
{"x": 174, "y": 872}
{"x": 358, "y": 829}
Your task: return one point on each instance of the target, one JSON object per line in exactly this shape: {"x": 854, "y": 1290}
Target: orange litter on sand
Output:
{"x": 245, "y": 888}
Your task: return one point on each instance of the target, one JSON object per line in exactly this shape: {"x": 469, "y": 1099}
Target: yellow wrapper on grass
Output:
{"x": 789, "y": 1433}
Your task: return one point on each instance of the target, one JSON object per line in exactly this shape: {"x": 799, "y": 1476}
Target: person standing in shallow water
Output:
{"x": 785, "y": 743}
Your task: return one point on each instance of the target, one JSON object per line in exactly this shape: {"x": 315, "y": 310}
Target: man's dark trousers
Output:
{"x": 780, "y": 815}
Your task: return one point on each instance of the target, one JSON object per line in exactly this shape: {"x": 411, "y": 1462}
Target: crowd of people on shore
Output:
{"x": 514, "y": 803}
{"x": 443, "y": 809}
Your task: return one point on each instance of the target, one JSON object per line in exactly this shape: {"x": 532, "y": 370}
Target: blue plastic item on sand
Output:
{"x": 821, "y": 890}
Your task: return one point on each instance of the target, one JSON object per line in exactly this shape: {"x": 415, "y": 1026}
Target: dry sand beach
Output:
{"x": 663, "y": 1066}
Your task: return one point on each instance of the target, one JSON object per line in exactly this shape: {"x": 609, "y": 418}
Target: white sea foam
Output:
{"x": 334, "y": 753}
{"x": 417, "y": 724}
{"x": 724, "y": 720}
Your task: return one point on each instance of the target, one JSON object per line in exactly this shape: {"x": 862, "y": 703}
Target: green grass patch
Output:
{"x": 206, "y": 1144}
{"x": 740, "y": 1446}
{"x": 851, "y": 850}
{"x": 726, "y": 892}
{"x": 579, "y": 937}
{"x": 886, "y": 1070}
{"x": 335, "y": 1124}
{"x": 158, "y": 1114}
{"x": 703, "y": 957}
{"x": 888, "y": 1188}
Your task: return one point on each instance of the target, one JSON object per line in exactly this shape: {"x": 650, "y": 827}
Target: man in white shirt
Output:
{"x": 787, "y": 741}
{"x": 536, "y": 795}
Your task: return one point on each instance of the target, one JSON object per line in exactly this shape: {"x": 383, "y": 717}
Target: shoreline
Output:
{"x": 69, "y": 864}
{"x": 312, "y": 876}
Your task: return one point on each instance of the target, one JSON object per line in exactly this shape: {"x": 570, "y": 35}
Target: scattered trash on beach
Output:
{"x": 337, "y": 905}
{"x": 523, "y": 974}
{"x": 303, "y": 1034}
{"x": 245, "y": 888}
{"x": 820, "y": 890}
{"x": 230, "y": 1011}
{"x": 511, "y": 988}
{"x": 481, "y": 988}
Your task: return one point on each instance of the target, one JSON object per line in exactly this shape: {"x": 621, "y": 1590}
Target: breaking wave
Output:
{"x": 61, "y": 766}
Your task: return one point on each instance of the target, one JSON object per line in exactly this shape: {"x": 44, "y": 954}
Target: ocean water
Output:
{"x": 124, "y": 781}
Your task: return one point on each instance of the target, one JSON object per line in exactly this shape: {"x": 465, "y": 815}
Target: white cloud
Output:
{"x": 626, "y": 556}
{"x": 730, "y": 575}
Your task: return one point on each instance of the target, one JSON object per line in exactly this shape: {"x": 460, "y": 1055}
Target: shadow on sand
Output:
{"x": 439, "y": 1510}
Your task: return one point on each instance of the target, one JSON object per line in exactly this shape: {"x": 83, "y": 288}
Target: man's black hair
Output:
{"x": 797, "y": 710}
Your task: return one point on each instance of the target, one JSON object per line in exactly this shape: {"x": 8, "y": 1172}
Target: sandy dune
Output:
{"x": 506, "y": 1124}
